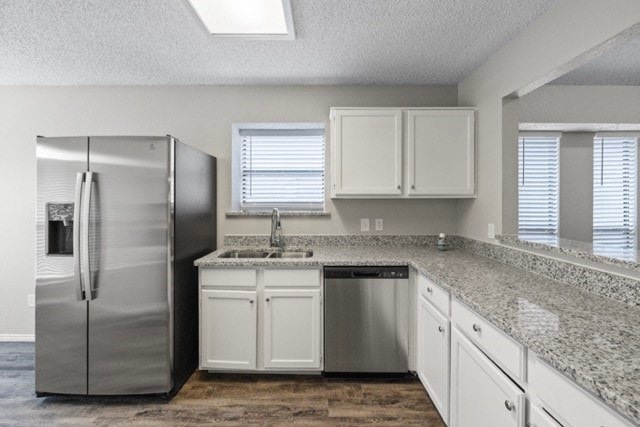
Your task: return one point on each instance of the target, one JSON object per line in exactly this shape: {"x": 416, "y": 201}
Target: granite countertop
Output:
{"x": 625, "y": 258}
{"x": 590, "y": 338}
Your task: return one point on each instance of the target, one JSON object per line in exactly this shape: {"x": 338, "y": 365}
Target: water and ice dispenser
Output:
{"x": 60, "y": 229}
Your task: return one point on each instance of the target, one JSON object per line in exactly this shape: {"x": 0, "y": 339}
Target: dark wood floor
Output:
{"x": 209, "y": 399}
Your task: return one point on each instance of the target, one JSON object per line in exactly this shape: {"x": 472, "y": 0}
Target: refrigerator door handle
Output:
{"x": 80, "y": 293}
{"x": 86, "y": 217}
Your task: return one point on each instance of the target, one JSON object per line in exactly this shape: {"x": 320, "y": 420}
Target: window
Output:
{"x": 280, "y": 167}
{"x": 538, "y": 188}
{"x": 614, "y": 196}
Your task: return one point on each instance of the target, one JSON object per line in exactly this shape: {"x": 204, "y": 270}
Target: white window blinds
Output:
{"x": 614, "y": 197}
{"x": 282, "y": 168}
{"x": 538, "y": 188}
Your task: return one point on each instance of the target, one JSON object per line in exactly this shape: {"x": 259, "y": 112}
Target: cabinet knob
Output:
{"x": 440, "y": 328}
{"x": 509, "y": 405}
{"x": 413, "y": 186}
{"x": 429, "y": 290}
{"x": 250, "y": 301}
{"x": 399, "y": 186}
{"x": 268, "y": 299}
{"x": 476, "y": 327}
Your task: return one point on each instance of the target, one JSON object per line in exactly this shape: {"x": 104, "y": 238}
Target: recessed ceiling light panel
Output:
{"x": 253, "y": 19}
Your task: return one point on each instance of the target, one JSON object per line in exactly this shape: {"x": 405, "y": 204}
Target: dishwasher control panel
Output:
{"x": 367, "y": 272}
{"x": 395, "y": 274}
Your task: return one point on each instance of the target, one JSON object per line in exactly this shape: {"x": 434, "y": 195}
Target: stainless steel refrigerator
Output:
{"x": 119, "y": 222}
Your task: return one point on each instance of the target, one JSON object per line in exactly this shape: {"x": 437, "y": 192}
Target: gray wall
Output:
{"x": 200, "y": 116}
{"x": 576, "y": 186}
{"x": 579, "y": 104}
{"x": 510, "y": 115}
{"x": 531, "y": 59}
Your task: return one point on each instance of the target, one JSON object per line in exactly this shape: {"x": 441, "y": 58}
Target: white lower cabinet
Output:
{"x": 539, "y": 418}
{"x": 432, "y": 359}
{"x": 566, "y": 401}
{"x": 481, "y": 394}
{"x": 260, "y": 319}
{"x": 503, "y": 350}
{"x": 228, "y": 331}
{"x": 292, "y": 328}
{"x": 486, "y": 368}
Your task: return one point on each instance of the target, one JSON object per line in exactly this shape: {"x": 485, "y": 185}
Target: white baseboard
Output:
{"x": 17, "y": 337}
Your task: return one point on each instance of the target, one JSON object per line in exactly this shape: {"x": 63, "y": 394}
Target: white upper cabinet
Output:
{"x": 366, "y": 153}
{"x": 440, "y": 153}
{"x": 403, "y": 153}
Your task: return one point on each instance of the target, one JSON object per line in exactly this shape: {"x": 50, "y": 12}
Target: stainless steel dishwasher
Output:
{"x": 366, "y": 319}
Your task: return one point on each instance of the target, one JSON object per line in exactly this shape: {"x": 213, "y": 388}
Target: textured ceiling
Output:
{"x": 131, "y": 42}
{"x": 618, "y": 66}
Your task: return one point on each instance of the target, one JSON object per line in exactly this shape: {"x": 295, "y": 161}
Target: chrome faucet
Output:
{"x": 275, "y": 226}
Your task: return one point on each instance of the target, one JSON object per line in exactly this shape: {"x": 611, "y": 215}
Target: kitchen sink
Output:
{"x": 298, "y": 254}
{"x": 244, "y": 254}
{"x": 266, "y": 254}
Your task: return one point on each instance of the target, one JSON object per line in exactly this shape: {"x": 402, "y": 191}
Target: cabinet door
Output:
{"x": 539, "y": 418}
{"x": 433, "y": 355}
{"x": 292, "y": 329}
{"x": 441, "y": 153}
{"x": 366, "y": 153}
{"x": 480, "y": 391}
{"x": 566, "y": 400}
{"x": 228, "y": 335}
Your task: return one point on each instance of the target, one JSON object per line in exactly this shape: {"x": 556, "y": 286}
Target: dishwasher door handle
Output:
{"x": 366, "y": 273}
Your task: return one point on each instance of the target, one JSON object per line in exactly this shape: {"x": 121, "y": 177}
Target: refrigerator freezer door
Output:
{"x": 130, "y": 332}
{"x": 61, "y": 311}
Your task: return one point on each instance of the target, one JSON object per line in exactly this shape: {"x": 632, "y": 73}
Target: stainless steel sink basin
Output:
{"x": 244, "y": 254}
{"x": 297, "y": 254}
{"x": 266, "y": 254}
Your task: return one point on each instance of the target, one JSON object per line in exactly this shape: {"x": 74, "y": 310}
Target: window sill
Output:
{"x": 236, "y": 214}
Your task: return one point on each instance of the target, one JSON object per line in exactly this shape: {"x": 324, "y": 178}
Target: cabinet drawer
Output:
{"x": 502, "y": 349}
{"x": 434, "y": 294}
{"x": 228, "y": 277}
{"x": 539, "y": 418}
{"x": 563, "y": 398}
{"x": 293, "y": 277}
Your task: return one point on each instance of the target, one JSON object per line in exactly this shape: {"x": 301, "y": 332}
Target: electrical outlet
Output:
{"x": 31, "y": 300}
{"x": 379, "y": 224}
{"x": 364, "y": 224}
{"x": 491, "y": 231}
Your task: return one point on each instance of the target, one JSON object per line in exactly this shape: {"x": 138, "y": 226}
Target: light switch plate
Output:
{"x": 364, "y": 224}
{"x": 379, "y": 224}
{"x": 31, "y": 300}
{"x": 491, "y": 231}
